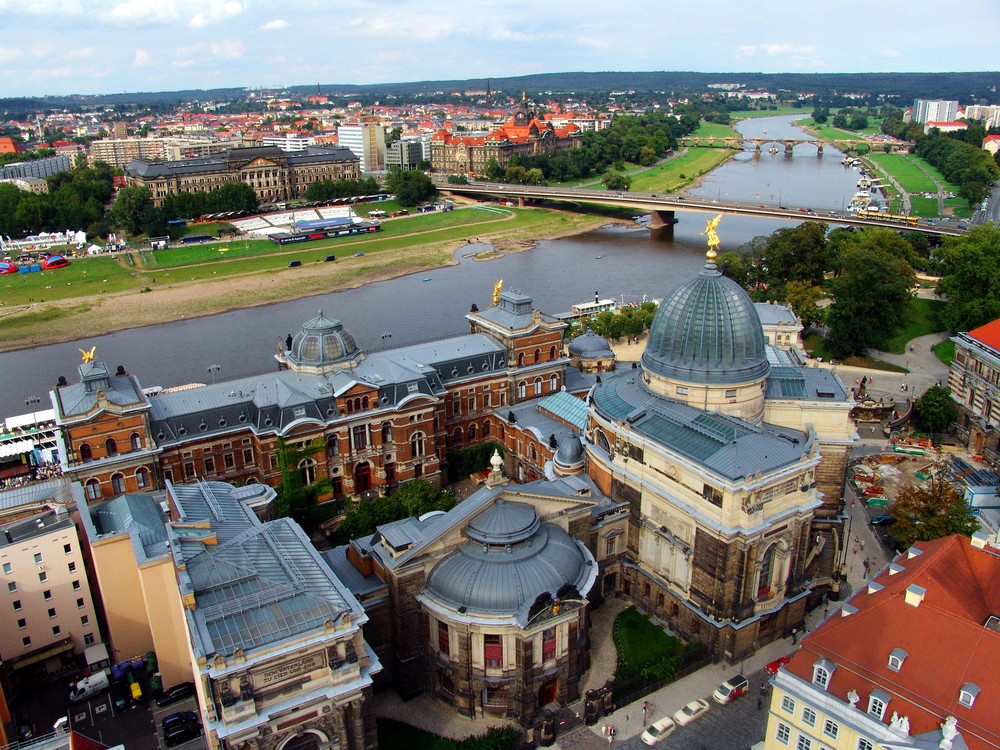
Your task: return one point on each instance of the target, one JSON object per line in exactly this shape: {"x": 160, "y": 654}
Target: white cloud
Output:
{"x": 227, "y": 48}
{"x": 142, "y": 58}
{"x": 773, "y": 50}
{"x": 275, "y": 25}
{"x": 504, "y": 34}
{"x": 214, "y": 11}
{"x": 593, "y": 42}
{"x": 143, "y": 11}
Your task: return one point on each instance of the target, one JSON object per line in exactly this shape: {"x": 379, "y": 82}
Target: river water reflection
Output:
{"x": 614, "y": 261}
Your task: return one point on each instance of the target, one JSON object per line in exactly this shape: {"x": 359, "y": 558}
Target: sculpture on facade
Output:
{"x": 88, "y": 356}
{"x": 713, "y": 238}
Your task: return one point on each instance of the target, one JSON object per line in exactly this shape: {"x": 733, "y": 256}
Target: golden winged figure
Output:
{"x": 713, "y": 238}
{"x": 497, "y": 288}
{"x": 88, "y": 356}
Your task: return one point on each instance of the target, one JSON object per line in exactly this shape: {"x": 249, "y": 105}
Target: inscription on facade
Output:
{"x": 288, "y": 670}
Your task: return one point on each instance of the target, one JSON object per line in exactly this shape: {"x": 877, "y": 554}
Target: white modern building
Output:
{"x": 367, "y": 141}
{"x": 938, "y": 110}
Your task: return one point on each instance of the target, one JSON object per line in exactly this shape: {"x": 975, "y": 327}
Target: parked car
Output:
{"x": 176, "y": 693}
{"x": 659, "y": 730}
{"x": 88, "y": 687}
{"x": 359, "y": 255}
{"x": 121, "y": 696}
{"x": 690, "y": 712}
{"x": 329, "y": 258}
{"x": 181, "y": 733}
{"x": 294, "y": 263}
{"x": 731, "y": 689}
{"x": 178, "y": 719}
{"x": 772, "y": 667}
{"x": 883, "y": 520}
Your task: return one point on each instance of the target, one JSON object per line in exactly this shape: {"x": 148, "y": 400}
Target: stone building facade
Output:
{"x": 974, "y": 382}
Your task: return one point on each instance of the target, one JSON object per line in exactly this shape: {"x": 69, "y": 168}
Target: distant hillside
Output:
{"x": 901, "y": 87}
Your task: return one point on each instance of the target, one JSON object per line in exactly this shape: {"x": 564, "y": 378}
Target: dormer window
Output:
{"x": 967, "y": 694}
{"x": 822, "y": 672}
{"x": 896, "y": 659}
{"x": 877, "y": 703}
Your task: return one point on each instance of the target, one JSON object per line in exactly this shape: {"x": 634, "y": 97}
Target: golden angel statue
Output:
{"x": 497, "y": 288}
{"x": 713, "y": 238}
{"x": 88, "y": 356}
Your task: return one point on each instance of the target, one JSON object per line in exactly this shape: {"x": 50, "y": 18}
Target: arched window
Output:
{"x": 486, "y": 428}
{"x": 552, "y": 352}
{"x": 135, "y": 441}
{"x": 538, "y": 355}
{"x": 357, "y": 404}
{"x": 85, "y": 452}
{"x": 364, "y": 403}
{"x": 417, "y": 444}
{"x": 142, "y": 477}
{"x": 532, "y": 453}
{"x": 111, "y": 447}
{"x": 350, "y": 406}
{"x": 602, "y": 442}
{"x": 93, "y": 489}
{"x": 457, "y": 436}
{"x": 538, "y": 386}
{"x": 118, "y": 483}
{"x": 472, "y": 432}
{"x": 501, "y": 431}
{"x": 766, "y": 571}
{"x": 386, "y": 433}
{"x": 307, "y": 468}
{"x": 522, "y": 389}
{"x": 553, "y": 383}
{"x": 520, "y": 359}
{"x": 332, "y": 445}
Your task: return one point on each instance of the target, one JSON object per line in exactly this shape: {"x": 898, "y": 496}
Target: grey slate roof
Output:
{"x": 513, "y": 312}
{"x": 131, "y": 513}
{"x": 771, "y": 313}
{"x": 589, "y": 344}
{"x": 79, "y": 398}
{"x": 235, "y": 158}
{"x": 725, "y": 445}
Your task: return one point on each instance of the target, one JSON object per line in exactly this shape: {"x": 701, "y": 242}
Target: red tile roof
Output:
{"x": 946, "y": 123}
{"x": 988, "y": 334}
{"x": 944, "y": 636}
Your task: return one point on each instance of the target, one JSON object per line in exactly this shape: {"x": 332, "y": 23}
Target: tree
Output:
{"x": 411, "y": 187}
{"x": 616, "y": 181}
{"x": 970, "y": 278}
{"x": 131, "y": 206}
{"x": 804, "y": 299}
{"x": 936, "y": 409}
{"x": 930, "y": 512}
{"x": 820, "y": 115}
{"x": 870, "y": 296}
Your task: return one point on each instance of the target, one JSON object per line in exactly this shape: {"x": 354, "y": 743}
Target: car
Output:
{"x": 658, "y": 730}
{"x": 121, "y": 696}
{"x": 690, "y": 712}
{"x": 652, "y": 195}
{"x": 294, "y": 263}
{"x": 883, "y": 520}
{"x": 772, "y": 667}
{"x": 731, "y": 689}
{"x": 176, "y": 693}
{"x": 180, "y": 734}
{"x": 180, "y": 718}
{"x": 329, "y": 258}
{"x": 359, "y": 255}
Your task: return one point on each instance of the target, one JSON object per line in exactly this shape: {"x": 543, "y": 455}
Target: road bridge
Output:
{"x": 738, "y": 143}
{"x": 662, "y": 208}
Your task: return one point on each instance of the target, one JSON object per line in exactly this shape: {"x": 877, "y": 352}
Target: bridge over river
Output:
{"x": 662, "y": 208}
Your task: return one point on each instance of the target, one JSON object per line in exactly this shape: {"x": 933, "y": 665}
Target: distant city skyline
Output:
{"x": 53, "y": 47}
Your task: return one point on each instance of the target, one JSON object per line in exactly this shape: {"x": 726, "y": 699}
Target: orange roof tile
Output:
{"x": 988, "y": 334}
{"x": 944, "y": 636}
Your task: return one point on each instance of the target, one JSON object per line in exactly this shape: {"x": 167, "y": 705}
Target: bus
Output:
{"x": 910, "y": 221}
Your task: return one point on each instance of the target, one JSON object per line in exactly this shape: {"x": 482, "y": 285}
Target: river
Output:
{"x": 613, "y": 261}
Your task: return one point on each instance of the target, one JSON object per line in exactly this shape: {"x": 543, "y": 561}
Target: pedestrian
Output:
{"x": 862, "y": 545}
{"x": 795, "y": 636}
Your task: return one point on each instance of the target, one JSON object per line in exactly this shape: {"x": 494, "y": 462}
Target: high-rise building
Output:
{"x": 404, "y": 154}
{"x": 367, "y": 141}
{"x": 937, "y": 110}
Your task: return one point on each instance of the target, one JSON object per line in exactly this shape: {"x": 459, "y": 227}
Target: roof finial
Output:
{"x": 497, "y": 288}
{"x": 713, "y": 238}
{"x": 88, "y": 357}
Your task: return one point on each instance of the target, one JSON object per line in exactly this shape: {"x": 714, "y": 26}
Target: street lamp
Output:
{"x": 29, "y": 402}
{"x": 214, "y": 369}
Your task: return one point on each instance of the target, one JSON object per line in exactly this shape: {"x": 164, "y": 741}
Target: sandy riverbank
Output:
{"x": 71, "y": 320}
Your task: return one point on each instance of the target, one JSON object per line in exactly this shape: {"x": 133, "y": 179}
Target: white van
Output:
{"x": 90, "y": 686}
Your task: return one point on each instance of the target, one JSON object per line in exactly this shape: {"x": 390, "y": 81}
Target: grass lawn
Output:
{"x": 753, "y": 114}
{"x": 676, "y": 173}
{"x": 828, "y": 132}
{"x": 815, "y": 345}
{"x": 921, "y": 206}
{"x": 395, "y": 734}
{"x": 714, "y": 130}
{"x": 933, "y": 172}
{"x": 945, "y": 351}
{"x": 640, "y": 643}
{"x": 920, "y": 318}
{"x": 208, "y": 227}
{"x": 959, "y": 207}
{"x": 907, "y": 173}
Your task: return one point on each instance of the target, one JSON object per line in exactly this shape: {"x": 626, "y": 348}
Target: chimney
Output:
{"x": 914, "y": 595}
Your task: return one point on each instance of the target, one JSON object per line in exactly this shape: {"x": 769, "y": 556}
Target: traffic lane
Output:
{"x": 734, "y": 726}
{"x": 97, "y": 718}
{"x": 159, "y": 714}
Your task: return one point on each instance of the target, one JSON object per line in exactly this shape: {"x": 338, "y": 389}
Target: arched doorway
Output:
{"x": 362, "y": 477}
{"x": 305, "y": 741}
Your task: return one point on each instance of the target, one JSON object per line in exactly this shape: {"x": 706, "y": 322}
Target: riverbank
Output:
{"x": 75, "y": 319}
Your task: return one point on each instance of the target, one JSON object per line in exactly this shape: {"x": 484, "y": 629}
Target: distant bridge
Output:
{"x": 737, "y": 143}
{"x": 662, "y": 208}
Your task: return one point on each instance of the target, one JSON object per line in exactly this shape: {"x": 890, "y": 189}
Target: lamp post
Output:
{"x": 214, "y": 369}
{"x": 29, "y": 402}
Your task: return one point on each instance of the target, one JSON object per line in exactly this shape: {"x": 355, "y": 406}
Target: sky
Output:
{"x": 114, "y": 46}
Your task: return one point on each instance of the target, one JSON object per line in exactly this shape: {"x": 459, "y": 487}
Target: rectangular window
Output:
{"x": 808, "y": 717}
{"x": 71, "y": 567}
{"x": 209, "y": 465}
{"x": 67, "y": 548}
{"x": 804, "y": 743}
{"x": 783, "y": 733}
{"x": 52, "y": 612}
{"x": 38, "y": 558}
{"x": 228, "y": 461}
{"x": 731, "y": 393}
{"x": 22, "y": 623}
{"x": 85, "y": 619}
{"x": 876, "y": 707}
{"x": 248, "y": 457}
{"x": 189, "y": 470}
{"x": 12, "y": 587}
{"x": 56, "y": 630}
{"x": 864, "y": 744}
{"x": 444, "y": 643}
{"x": 88, "y": 639}
{"x": 493, "y": 650}
{"x": 549, "y": 644}
{"x": 831, "y": 729}
{"x": 43, "y": 576}
{"x": 17, "y": 605}
{"x": 26, "y": 641}
{"x": 787, "y": 704}
{"x": 79, "y": 602}
{"x": 682, "y": 391}
{"x": 610, "y": 547}
{"x": 359, "y": 437}
{"x": 76, "y": 585}
{"x": 47, "y": 594}
{"x": 7, "y": 569}
{"x": 273, "y": 461}
{"x": 646, "y": 589}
